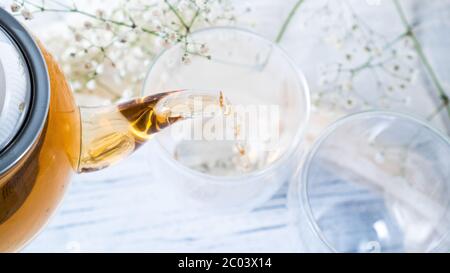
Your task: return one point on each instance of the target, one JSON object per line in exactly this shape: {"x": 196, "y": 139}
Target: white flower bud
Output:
{"x": 186, "y": 60}
{"x": 88, "y": 66}
{"x": 165, "y": 43}
{"x": 100, "y": 13}
{"x": 78, "y": 37}
{"x": 173, "y": 37}
{"x": 204, "y": 49}
{"x": 15, "y": 7}
{"x": 27, "y": 15}
{"x": 87, "y": 25}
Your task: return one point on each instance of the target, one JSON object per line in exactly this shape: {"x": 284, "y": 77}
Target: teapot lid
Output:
{"x": 24, "y": 91}
{"x": 15, "y": 89}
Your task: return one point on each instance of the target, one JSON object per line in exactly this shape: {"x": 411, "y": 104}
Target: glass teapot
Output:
{"x": 45, "y": 137}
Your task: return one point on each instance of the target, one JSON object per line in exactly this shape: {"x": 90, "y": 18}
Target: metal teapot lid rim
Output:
{"x": 36, "y": 115}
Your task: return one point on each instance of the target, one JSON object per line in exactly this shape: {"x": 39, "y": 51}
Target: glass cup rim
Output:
{"x": 297, "y": 139}
{"x": 304, "y": 202}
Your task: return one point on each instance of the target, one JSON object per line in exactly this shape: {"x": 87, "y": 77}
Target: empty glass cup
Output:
{"x": 220, "y": 173}
{"x": 374, "y": 182}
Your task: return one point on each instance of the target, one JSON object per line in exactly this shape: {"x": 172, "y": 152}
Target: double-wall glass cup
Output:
{"x": 242, "y": 165}
{"x": 374, "y": 182}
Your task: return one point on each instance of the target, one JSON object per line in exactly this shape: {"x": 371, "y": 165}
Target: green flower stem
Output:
{"x": 174, "y": 10}
{"x": 191, "y": 23}
{"x": 288, "y": 20}
{"x": 93, "y": 16}
{"x": 418, "y": 47}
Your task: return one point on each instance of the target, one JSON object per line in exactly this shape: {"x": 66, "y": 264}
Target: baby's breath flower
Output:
{"x": 173, "y": 37}
{"x": 88, "y": 66}
{"x": 78, "y": 37}
{"x": 88, "y": 25}
{"x": 204, "y": 49}
{"x": 164, "y": 43}
{"x": 15, "y": 7}
{"x": 186, "y": 60}
{"x": 111, "y": 49}
{"x": 100, "y": 13}
{"x": 27, "y": 15}
{"x": 108, "y": 26}
{"x": 350, "y": 103}
{"x": 367, "y": 58}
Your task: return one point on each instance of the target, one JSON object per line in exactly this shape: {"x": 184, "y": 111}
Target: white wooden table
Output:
{"x": 123, "y": 208}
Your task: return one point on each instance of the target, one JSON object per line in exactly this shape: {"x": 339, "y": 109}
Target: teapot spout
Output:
{"x": 110, "y": 134}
